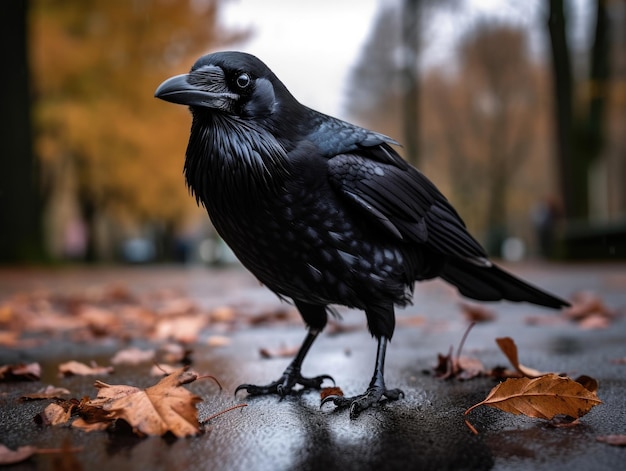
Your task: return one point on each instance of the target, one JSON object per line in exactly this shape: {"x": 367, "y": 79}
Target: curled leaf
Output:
{"x": 543, "y": 397}
{"x": 508, "y": 347}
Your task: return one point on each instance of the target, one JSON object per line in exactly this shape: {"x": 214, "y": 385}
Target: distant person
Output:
{"x": 545, "y": 217}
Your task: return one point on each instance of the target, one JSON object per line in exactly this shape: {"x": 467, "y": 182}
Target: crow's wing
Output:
{"x": 400, "y": 199}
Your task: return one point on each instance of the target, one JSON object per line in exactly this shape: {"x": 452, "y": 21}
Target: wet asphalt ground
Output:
{"x": 424, "y": 430}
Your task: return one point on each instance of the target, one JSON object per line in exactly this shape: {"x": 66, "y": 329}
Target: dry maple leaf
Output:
{"x": 164, "y": 407}
{"x": 80, "y": 369}
{"x": 543, "y": 397}
{"x": 20, "y": 372}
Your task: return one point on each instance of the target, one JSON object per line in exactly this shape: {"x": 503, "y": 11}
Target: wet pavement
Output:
{"x": 424, "y": 430}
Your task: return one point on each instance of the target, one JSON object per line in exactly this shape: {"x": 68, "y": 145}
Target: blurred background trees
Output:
{"x": 521, "y": 125}
{"x": 111, "y": 158}
{"x": 520, "y": 142}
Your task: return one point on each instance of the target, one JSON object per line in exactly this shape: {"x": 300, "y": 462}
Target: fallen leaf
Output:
{"x": 57, "y": 414}
{"x": 330, "y": 391}
{"x": 218, "y": 341}
{"x": 460, "y": 367}
{"x": 49, "y": 392}
{"x": 508, "y": 347}
{"x": 563, "y": 421}
{"x": 589, "y": 383}
{"x": 594, "y": 322}
{"x": 615, "y": 440}
{"x": 585, "y": 304}
{"x": 182, "y": 328}
{"x": 477, "y": 312}
{"x": 174, "y": 353}
{"x": 165, "y": 369}
{"x": 284, "y": 352}
{"x": 8, "y": 456}
{"x": 164, "y": 407}
{"x": 543, "y": 397}
{"x": 80, "y": 369}
{"x": 20, "y": 372}
{"x": 132, "y": 356}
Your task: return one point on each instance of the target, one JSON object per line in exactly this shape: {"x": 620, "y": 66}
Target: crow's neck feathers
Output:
{"x": 229, "y": 155}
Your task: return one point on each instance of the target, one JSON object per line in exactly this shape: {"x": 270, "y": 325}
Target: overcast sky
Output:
{"x": 312, "y": 45}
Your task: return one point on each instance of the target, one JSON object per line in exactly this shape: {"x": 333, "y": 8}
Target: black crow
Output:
{"x": 322, "y": 211}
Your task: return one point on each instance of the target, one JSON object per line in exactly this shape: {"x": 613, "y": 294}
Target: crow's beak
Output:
{"x": 205, "y": 88}
{"x": 178, "y": 90}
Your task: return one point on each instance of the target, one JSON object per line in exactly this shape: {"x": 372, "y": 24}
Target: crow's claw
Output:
{"x": 373, "y": 395}
{"x": 285, "y": 384}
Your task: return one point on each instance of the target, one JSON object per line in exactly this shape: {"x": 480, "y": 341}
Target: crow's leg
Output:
{"x": 292, "y": 375}
{"x": 376, "y": 392}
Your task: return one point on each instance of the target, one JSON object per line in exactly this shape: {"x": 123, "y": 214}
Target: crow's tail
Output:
{"x": 491, "y": 283}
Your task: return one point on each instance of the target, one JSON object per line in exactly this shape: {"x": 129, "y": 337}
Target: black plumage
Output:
{"x": 321, "y": 211}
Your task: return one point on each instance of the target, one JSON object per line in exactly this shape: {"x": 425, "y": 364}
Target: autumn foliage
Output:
{"x": 107, "y": 147}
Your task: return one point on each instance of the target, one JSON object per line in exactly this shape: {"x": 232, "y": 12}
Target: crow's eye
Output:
{"x": 243, "y": 81}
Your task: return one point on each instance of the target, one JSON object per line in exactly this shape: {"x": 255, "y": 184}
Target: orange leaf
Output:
{"x": 543, "y": 397}
{"x": 330, "y": 391}
{"x": 508, "y": 347}
{"x": 164, "y": 407}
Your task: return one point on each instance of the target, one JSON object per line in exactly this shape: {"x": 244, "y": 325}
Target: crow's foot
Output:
{"x": 285, "y": 384}
{"x": 373, "y": 396}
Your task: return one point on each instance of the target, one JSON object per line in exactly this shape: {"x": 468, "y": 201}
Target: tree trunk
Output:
{"x": 20, "y": 198}
{"x": 562, "y": 83}
{"x": 410, "y": 79}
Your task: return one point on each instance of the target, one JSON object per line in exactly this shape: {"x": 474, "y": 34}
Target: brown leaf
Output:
{"x": 283, "y": 352}
{"x": 508, "y": 347}
{"x": 330, "y": 391}
{"x": 56, "y": 414}
{"x": 80, "y": 369}
{"x": 174, "y": 353}
{"x": 615, "y": 440}
{"x": 477, "y": 312}
{"x": 85, "y": 426}
{"x": 588, "y": 382}
{"x": 20, "y": 372}
{"x": 132, "y": 356}
{"x": 469, "y": 367}
{"x": 543, "y": 397}
{"x": 460, "y": 367}
{"x": 8, "y": 456}
{"x": 49, "y": 392}
{"x": 164, "y": 407}
{"x": 586, "y": 304}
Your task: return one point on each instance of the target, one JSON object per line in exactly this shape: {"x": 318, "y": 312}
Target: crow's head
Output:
{"x": 233, "y": 83}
